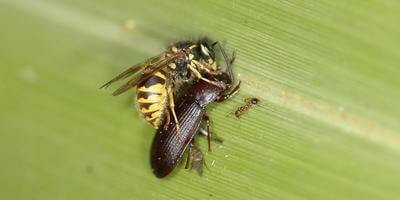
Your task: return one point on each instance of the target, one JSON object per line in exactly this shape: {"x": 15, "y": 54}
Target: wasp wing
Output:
{"x": 148, "y": 72}
{"x": 132, "y": 70}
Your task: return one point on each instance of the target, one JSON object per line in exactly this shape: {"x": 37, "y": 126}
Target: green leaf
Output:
{"x": 326, "y": 73}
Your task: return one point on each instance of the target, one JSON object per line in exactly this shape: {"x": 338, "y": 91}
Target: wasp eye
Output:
{"x": 205, "y": 51}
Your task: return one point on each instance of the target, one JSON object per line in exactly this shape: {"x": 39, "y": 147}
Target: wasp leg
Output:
{"x": 199, "y": 76}
{"x": 191, "y": 145}
{"x": 230, "y": 94}
{"x": 172, "y": 107}
{"x": 168, "y": 119}
{"x": 200, "y": 66}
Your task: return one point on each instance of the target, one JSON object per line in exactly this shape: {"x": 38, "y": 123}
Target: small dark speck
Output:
{"x": 89, "y": 169}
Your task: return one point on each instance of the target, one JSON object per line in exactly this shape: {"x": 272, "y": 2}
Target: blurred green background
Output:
{"x": 327, "y": 73}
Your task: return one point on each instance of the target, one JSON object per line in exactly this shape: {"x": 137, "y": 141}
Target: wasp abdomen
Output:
{"x": 152, "y": 97}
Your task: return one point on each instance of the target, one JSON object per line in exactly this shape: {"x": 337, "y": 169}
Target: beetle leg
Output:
{"x": 191, "y": 145}
{"x": 213, "y": 138}
{"x": 230, "y": 94}
{"x": 208, "y": 133}
{"x": 172, "y": 106}
{"x": 206, "y": 119}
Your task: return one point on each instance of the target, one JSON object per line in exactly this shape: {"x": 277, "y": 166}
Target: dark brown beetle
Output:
{"x": 168, "y": 145}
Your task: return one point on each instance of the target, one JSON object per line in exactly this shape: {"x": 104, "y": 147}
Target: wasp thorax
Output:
{"x": 174, "y": 49}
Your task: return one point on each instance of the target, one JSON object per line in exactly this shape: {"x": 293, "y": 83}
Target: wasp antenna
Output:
{"x": 213, "y": 44}
{"x": 224, "y": 55}
{"x": 229, "y": 68}
{"x": 233, "y": 57}
{"x": 228, "y": 63}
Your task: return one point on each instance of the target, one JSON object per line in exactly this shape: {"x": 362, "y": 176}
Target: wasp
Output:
{"x": 250, "y": 102}
{"x": 168, "y": 146}
{"x": 155, "y": 79}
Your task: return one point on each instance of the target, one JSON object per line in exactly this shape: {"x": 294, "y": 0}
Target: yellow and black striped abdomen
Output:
{"x": 151, "y": 98}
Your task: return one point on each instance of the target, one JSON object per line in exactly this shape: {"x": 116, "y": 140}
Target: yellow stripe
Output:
{"x": 155, "y": 124}
{"x": 152, "y": 108}
{"x": 151, "y": 99}
{"x": 157, "y": 88}
{"x": 159, "y": 74}
{"x": 154, "y": 116}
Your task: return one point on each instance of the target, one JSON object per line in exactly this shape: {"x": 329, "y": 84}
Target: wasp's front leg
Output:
{"x": 230, "y": 94}
{"x": 172, "y": 106}
{"x": 199, "y": 76}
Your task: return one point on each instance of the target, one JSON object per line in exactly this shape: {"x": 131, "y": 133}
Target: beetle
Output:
{"x": 155, "y": 78}
{"x": 168, "y": 144}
